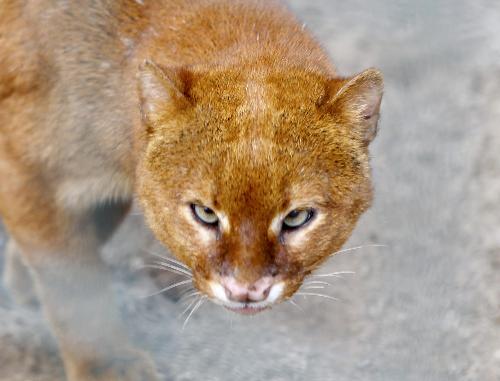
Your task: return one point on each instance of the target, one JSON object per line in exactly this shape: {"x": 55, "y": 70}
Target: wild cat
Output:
{"x": 225, "y": 118}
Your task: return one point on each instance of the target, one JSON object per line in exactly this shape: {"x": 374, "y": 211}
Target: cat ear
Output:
{"x": 161, "y": 88}
{"x": 356, "y": 100}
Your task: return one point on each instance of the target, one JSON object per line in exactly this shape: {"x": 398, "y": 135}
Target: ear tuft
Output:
{"x": 160, "y": 88}
{"x": 358, "y": 99}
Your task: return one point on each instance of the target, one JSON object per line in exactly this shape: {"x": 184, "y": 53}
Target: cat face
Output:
{"x": 253, "y": 181}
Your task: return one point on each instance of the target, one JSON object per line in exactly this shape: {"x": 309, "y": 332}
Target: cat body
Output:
{"x": 226, "y": 120}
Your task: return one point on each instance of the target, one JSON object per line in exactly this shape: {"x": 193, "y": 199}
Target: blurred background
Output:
{"x": 423, "y": 307}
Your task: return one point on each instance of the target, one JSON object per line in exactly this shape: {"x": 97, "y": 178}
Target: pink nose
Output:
{"x": 239, "y": 292}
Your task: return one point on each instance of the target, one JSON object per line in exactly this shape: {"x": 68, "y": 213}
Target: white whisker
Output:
{"x": 313, "y": 287}
{"x": 169, "y": 287}
{"x": 317, "y": 282}
{"x": 320, "y": 295}
{"x": 178, "y": 263}
{"x": 295, "y": 304}
{"x": 195, "y": 293}
{"x": 189, "y": 306}
{"x": 173, "y": 267}
{"x": 357, "y": 248}
{"x": 161, "y": 267}
{"x": 170, "y": 260}
{"x": 336, "y": 274}
{"x": 198, "y": 305}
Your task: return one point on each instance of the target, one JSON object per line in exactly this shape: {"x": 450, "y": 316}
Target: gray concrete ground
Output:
{"x": 426, "y": 306}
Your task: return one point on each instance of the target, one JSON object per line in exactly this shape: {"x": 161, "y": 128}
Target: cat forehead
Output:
{"x": 262, "y": 172}
{"x": 253, "y": 91}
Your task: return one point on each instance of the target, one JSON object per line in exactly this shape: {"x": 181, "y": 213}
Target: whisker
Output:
{"x": 292, "y": 302}
{"x": 198, "y": 305}
{"x": 178, "y": 263}
{"x": 189, "y": 306}
{"x": 174, "y": 261}
{"x": 169, "y": 287}
{"x": 155, "y": 254}
{"x": 357, "y": 248}
{"x": 336, "y": 274}
{"x": 315, "y": 294}
{"x": 313, "y": 287}
{"x": 339, "y": 273}
{"x": 317, "y": 282}
{"x": 173, "y": 267}
{"x": 161, "y": 267}
{"x": 183, "y": 297}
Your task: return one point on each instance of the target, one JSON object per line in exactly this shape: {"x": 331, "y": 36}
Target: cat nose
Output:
{"x": 244, "y": 292}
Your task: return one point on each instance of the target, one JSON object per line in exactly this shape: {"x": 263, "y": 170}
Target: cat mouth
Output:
{"x": 244, "y": 308}
{"x": 247, "y": 308}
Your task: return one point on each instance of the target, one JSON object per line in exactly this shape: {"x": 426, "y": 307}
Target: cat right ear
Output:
{"x": 160, "y": 89}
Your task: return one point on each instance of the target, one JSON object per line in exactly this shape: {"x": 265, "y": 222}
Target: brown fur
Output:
{"x": 231, "y": 104}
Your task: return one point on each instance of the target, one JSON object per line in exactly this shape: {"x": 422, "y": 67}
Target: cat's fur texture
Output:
{"x": 228, "y": 104}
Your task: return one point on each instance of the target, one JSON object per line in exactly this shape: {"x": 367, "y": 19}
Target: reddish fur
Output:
{"x": 241, "y": 111}
{"x": 309, "y": 143}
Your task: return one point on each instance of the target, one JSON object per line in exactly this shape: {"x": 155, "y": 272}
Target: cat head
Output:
{"x": 254, "y": 178}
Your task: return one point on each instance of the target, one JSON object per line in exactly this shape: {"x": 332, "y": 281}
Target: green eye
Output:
{"x": 205, "y": 214}
{"x": 297, "y": 218}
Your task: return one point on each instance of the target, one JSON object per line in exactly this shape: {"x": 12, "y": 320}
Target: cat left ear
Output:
{"x": 356, "y": 100}
{"x": 160, "y": 88}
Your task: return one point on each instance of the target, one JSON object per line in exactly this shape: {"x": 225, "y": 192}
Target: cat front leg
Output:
{"x": 74, "y": 286}
{"x": 79, "y": 305}
{"x": 17, "y": 278}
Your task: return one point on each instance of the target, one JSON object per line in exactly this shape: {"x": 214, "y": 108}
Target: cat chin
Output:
{"x": 245, "y": 308}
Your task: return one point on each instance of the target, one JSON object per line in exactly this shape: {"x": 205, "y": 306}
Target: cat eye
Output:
{"x": 205, "y": 214}
{"x": 297, "y": 218}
